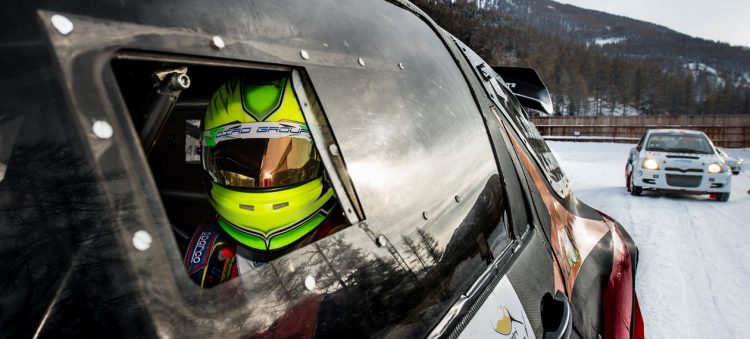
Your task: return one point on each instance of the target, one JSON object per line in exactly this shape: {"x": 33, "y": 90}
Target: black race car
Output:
{"x": 461, "y": 222}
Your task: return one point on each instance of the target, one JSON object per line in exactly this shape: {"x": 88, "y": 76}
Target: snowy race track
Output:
{"x": 693, "y": 277}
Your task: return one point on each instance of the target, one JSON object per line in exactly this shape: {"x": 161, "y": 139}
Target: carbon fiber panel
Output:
{"x": 589, "y": 286}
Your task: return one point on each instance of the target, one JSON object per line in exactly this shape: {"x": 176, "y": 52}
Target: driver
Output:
{"x": 264, "y": 179}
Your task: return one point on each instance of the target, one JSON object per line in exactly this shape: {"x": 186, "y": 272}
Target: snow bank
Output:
{"x": 694, "y": 269}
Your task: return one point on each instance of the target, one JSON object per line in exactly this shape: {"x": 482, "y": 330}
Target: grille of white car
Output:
{"x": 678, "y": 180}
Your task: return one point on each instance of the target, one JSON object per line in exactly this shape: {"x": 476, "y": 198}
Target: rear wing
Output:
{"x": 527, "y": 86}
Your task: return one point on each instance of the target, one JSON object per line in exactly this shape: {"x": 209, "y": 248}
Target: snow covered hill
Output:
{"x": 694, "y": 267}
{"x": 625, "y": 37}
{"x": 595, "y": 63}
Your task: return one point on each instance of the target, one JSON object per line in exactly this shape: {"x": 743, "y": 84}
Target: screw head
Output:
{"x": 183, "y": 80}
{"x": 425, "y": 216}
{"x": 218, "y": 42}
{"x": 361, "y": 62}
{"x": 401, "y": 66}
{"x": 457, "y": 198}
{"x": 102, "y": 129}
{"x": 62, "y": 24}
{"x": 304, "y": 55}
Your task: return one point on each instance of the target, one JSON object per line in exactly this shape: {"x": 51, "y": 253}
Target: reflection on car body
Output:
{"x": 456, "y": 209}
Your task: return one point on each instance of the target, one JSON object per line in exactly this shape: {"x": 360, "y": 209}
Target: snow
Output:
{"x": 697, "y": 68}
{"x": 694, "y": 268}
{"x": 606, "y": 41}
{"x": 700, "y": 67}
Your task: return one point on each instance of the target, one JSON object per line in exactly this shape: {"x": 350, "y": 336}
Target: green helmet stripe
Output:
{"x": 247, "y": 239}
{"x": 287, "y": 238}
{"x": 261, "y": 100}
{"x": 281, "y": 239}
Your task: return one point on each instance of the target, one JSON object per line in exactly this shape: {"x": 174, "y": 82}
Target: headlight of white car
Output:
{"x": 715, "y": 168}
{"x": 650, "y": 164}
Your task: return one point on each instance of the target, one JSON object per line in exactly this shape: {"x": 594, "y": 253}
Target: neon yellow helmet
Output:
{"x": 266, "y": 176}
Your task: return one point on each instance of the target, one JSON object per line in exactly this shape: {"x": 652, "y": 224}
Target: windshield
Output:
{"x": 678, "y": 142}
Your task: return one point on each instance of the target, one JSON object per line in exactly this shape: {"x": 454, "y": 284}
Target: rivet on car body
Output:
{"x": 334, "y": 150}
{"x": 102, "y": 129}
{"x": 425, "y": 216}
{"x": 361, "y": 62}
{"x": 457, "y": 198}
{"x": 62, "y": 24}
{"x": 400, "y": 66}
{"x": 142, "y": 240}
{"x": 310, "y": 283}
{"x": 218, "y": 42}
{"x": 304, "y": 55}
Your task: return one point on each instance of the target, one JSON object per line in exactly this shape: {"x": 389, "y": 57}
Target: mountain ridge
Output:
{"x": 596, "y": 63}
{"x": 642, "y": 39}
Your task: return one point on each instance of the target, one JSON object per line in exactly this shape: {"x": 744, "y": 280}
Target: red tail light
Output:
{"x": 620, "y": 308}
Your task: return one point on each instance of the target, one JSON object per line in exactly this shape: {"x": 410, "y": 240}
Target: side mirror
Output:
{"x": 527, "y": 86}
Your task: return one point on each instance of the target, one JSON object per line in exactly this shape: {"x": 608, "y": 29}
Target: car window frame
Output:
{"x": 496, "y": 88}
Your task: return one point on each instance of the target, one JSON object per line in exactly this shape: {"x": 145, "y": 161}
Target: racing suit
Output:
{"x": 213, "y": 257}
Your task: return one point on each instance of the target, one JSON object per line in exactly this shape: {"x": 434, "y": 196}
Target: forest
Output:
{"x": 582, "y": 78}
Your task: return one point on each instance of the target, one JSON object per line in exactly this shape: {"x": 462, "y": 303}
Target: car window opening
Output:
{"x": 238, "y": 171}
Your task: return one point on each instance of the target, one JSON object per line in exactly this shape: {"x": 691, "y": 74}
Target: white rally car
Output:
{"x": 675, "y": 160}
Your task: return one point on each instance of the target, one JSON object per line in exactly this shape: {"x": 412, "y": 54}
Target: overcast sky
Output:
{"x": 722, "y": 20}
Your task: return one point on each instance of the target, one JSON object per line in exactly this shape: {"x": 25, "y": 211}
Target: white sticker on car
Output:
{"x": 501, "y": 316}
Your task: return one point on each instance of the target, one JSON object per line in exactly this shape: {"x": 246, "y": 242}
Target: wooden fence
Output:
{"x": 731, "y": 131}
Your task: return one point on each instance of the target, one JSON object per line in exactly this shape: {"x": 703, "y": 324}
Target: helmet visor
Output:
{"x": 253, "y": 162}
